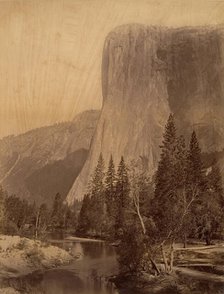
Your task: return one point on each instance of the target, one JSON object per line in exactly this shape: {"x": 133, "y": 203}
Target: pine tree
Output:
{"x": 44, "y": 215}
{"x": 180, "y": 164}
{"x": 169, "y": 137}
{"x": 211, "y": 206}
{"x": 84, "y": 220}
{"x": 195, "y": 174}
{"x": 171, "y": 205}
{"x": 97, "y": 192}
{"x": 196, "y": 185}
{"x": 180, "y": 183}
{"x": 57, "y": 212}
{"x": 165, "y": 182}
{"x": 110, "y": 182}
{"x": 122, "y": 195}
{"x": 165, "y": 172}
{"x": 195, "y": 170}
{"x": 69, "y": 217}
{"x": 18, "y": 212}
{"x": 97, "y": 183}
{"x": 215, "y": 184}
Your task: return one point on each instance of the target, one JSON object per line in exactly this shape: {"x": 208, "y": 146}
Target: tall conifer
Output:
{"x": 110, "y": 182}
{"x": 195, "y": 172}
{"x": 122, "y": 194}
{"x": 165, "y": 181}
{"x": 97, "y": 194}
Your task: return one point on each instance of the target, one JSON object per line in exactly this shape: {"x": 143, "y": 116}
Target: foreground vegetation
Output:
{"x": 149, "y": 215}
{"x": 145, "y": 215}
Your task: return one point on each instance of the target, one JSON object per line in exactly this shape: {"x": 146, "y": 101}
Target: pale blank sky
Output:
{"x": 50, "y": 51}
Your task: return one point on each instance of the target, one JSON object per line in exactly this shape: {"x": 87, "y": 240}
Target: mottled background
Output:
{"x": 50, "y": 52}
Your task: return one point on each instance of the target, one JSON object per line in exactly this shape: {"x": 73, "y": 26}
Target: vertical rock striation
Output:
{"x": 148, "y": 72}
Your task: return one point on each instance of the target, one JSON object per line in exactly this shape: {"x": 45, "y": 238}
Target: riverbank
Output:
{"x": 180, "y": 281}
{"x": 87, "y": 274}
{"x": 21, "y": 256}
{"x": 197, "y": 269}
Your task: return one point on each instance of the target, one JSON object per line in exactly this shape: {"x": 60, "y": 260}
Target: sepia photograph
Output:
{"x": 111, "y": 146}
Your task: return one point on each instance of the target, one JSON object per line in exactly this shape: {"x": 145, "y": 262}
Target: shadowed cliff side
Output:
{"x": 38, "y": 164}
{"x": 148, "y": 72}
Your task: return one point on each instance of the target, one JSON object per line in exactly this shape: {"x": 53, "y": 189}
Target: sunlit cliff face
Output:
{"x": 147, "y": 73}
{"x": 50, "y": 52}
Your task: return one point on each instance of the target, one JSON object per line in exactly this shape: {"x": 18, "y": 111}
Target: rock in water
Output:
{"x": 147, "y": 73}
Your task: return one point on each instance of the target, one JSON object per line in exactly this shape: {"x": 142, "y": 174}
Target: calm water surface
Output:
{"x": 86, "y": 275}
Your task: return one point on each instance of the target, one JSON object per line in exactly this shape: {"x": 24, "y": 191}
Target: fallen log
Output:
{"x": 198, "y": 274}
{"x": 196, "y": 264}
{"x": 199, "y": 248}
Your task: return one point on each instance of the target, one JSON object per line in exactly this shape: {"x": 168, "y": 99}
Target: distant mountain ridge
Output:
{"x": 41, "y": 162}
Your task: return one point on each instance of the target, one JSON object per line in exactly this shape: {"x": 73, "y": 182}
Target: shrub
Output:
{"x": 9, "y": 228}
{"x": 131, "y": 250}
{"x": 21, "y": 245}
{"x": 34, "y": 255}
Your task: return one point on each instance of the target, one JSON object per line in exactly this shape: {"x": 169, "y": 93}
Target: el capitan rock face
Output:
{"x": 147, "y": 73}
{"x": 38, "y": 164}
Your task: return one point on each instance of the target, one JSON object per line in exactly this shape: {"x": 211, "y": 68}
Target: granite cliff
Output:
{"x": 147, "y": 73}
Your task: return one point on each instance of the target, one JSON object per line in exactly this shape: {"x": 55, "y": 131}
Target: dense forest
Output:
{"x": 19, "y": 217}
{"x": 142, "y": 214}
{"x": 183, "y": 200}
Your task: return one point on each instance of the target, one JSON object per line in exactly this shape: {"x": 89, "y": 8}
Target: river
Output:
{"x": 94, "y": 261}
{"x": 86, "y": 275}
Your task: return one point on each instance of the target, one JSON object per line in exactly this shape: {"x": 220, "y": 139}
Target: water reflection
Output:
{"x": 64, "y": 282}
{"x": 86, "y": 275}
{"x": 76, "y": 250}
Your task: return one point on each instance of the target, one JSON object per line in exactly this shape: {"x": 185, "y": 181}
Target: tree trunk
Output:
{"x": 208, "y": 238}
{"x": 141, "y": 221}
{"x": 36, "y": 224}
{"x": 171, "y": 257}
{"x": 154, "y": 266}
{"x": 153, "y": 263}
{"x": 185, "y": 240}
{"x": 164, "y": 259}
